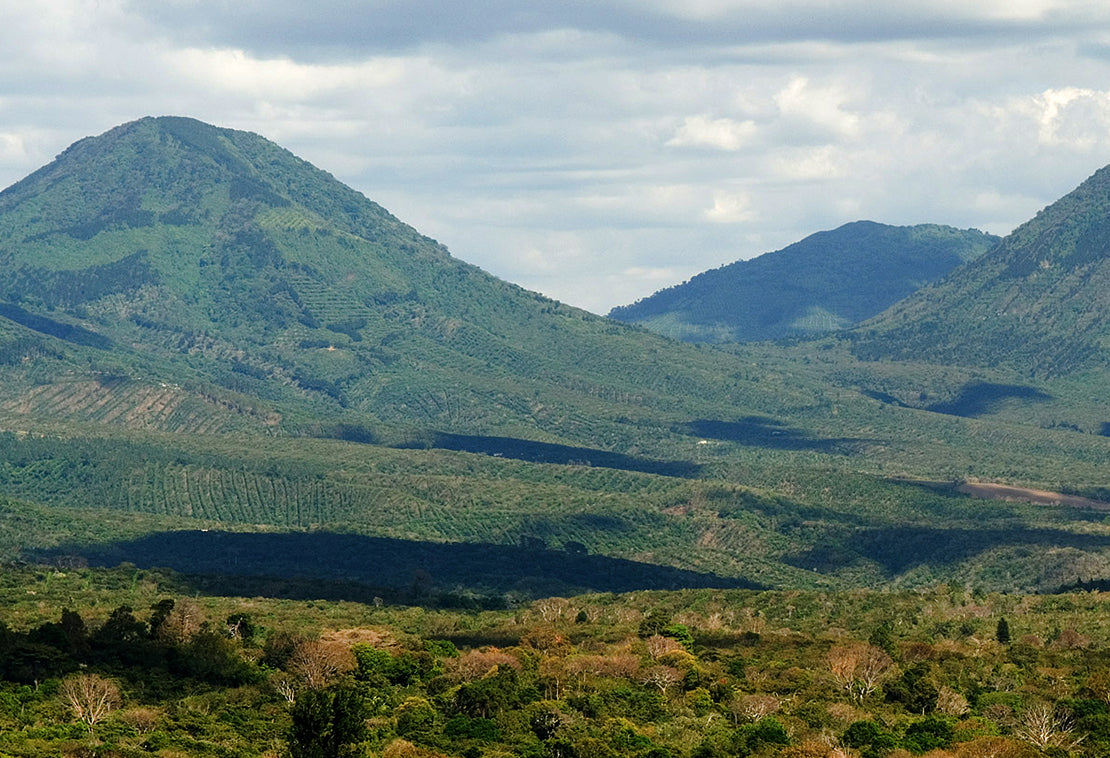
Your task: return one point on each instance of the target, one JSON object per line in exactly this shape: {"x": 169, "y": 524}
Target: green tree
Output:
{"x": 327, "y": 723}
{"x": 1002, "y": 632}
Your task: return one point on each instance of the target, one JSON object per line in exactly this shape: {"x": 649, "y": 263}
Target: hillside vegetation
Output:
{"x": 217, "y": 358}
{"x": 1037, "y": 303}
{"x": 138, "y": 663}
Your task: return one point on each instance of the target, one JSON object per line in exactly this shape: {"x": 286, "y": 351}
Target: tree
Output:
{"x": 658, "y": 646}
{"x": 1002, "y": 631}
{"x": 319, "y": 663}
{"x": 1043, "y": 726}
{"x": 662, "y": 677}
{"x": 858, "y": 668}
{"x": 91, "y": 697}
{"x": 327, "y": 723}
{"x": 754, "y": 707}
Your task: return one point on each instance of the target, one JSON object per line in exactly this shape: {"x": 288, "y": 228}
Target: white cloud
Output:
{"x": 1073, "y": 117}
{"x": 719, "y": 133}
{"x": 730, "y": 208}
{"x": 822, "y": 106}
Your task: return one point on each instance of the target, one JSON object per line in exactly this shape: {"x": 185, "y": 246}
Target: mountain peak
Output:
{"x": 170, "y": 248}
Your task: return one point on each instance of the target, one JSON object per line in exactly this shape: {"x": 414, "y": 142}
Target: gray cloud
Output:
{"x": 345, "y": 28}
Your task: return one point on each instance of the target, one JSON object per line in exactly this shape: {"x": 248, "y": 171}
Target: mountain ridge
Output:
{"x": 197, "y": 326}
{"x": 215, "y": 255}
{"x": 828, "y": 281}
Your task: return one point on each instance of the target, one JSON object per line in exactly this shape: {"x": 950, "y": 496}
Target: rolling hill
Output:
{"x": 173, "y": 275}
{"x": 828, "y": 281}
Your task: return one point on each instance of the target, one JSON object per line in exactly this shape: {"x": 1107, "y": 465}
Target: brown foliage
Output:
{"x": 183, "y": 621}
{"x": 658, "y": 646}
{"x": 475, "y": 664}
{"x": 320, "y": 663}
{"x": 753, "y": 707}
{"x": 858, "y": 668}
{"x": 993, "y": 747}
{"x": 1043, "y": 726}
{"x": 142, "y": 720}
{"x": 813, "y": 748}
{"x": 662, "y": 677}
{"x": 405, "y": 749}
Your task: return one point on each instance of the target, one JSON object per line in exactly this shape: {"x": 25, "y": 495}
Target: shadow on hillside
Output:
{"x": 980, "y": 398}
{"x": 759, "y": 431}
{"x": 898, "y": 549}
{"x": 546, "y": 452}
{"x": 78, "y": 335}
{"x": 358, "y": 568}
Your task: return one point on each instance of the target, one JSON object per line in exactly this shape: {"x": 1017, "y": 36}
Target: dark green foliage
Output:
{"x": 468, "y": 728}
{"x": 1033, "y": 303}
{"x": 930, "y": 733}
{"x": 749, "y": 738}
{"x": 681, "y": 633}
{"x": 869, "y": 738}
{"x": 491, "y": 695}
{"x": 327, "y": 723}
{"x": 1002, "y": 631}
{"x": 883, "y": 637}
{"x": 655, "y": 622}
{"x": 915, "y": 689}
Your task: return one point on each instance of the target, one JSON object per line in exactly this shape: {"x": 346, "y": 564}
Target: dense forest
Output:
{"x": 139, "y": 663}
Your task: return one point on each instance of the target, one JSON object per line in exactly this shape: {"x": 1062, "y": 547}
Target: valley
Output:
{"x": 236, "y": 393}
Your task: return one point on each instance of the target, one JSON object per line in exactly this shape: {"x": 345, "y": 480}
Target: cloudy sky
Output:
{"x": 597, "y": 150}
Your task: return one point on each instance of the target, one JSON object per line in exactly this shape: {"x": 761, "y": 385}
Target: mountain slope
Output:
{"x": 171, "y": 252}
{"x": 182, "y": 307}
{"x": 1039, "y": 303}
{"x": 829, "y": 280}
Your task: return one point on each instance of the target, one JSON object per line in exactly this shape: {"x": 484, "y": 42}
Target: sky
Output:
{"x": 599, "y": 150}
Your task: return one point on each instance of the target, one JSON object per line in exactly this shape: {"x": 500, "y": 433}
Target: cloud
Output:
{"x": 730, "y": 208}
{"x": 1073, "y": 117}
{"x": 586, "y": 148}
{"x": 719, "y": 133}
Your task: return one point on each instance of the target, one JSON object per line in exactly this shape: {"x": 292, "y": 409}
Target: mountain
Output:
{"x": 1039, "y": 303}
{"x": 828, "y": 281}
{"x": 199, "y": 330}
{"x": 194, "y": 278}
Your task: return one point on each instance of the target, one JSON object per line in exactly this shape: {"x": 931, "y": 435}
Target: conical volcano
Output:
{"x": 168, "y": 250}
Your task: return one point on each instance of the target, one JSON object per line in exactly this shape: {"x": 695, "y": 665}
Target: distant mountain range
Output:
{"x": 826, "y": 282}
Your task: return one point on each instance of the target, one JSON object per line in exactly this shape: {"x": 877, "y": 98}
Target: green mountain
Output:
{"x": 828, "y": 281}
{"x": 200, "y": 332}
{"x": 1036, "y": 304}
{"x": 203, "y": 279}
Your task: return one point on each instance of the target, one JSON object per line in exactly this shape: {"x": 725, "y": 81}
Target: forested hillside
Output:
{"x": 215, "y": 357}
{"x": 828, "y": 281}
{"x": 1037, "y": 303}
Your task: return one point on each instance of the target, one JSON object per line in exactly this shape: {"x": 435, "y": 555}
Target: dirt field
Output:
{"x": 1021, "y": 494}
